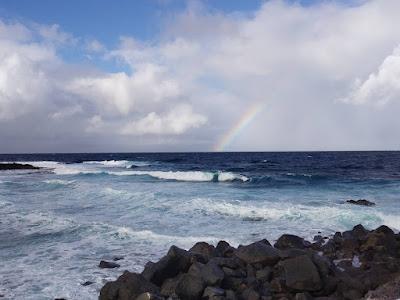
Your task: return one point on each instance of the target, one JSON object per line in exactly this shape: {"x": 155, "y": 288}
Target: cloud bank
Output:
{"x": 329, "y": 76}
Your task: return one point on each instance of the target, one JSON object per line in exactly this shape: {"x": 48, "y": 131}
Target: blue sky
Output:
{"x": 172, "y": 75}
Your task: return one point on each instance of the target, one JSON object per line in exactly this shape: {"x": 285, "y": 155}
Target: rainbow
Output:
{"x": 235, "y": 130}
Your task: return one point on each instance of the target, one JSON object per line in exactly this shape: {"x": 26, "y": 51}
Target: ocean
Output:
{"x": 57, "y": 223}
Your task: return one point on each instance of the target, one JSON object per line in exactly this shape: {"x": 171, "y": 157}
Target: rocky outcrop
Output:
{"x": 362, "y": 202}
{"x": 350, "y": 265}
{"x": 16, "y": 166}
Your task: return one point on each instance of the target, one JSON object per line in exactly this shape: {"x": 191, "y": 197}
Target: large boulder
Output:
{"x": 258, "y": 252}
{"x": 190, "y": 287}
{"x": 301, "y": 274}
{"x": 204, "y": 249}
{"x": 177, "y": 260}
{"x": 287, "y": 241}
{"x": 127, "y": 287}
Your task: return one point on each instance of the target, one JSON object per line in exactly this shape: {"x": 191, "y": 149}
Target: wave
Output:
{"x": 337, "y": 216}
{"x": 118, "y": 163}
{"x": 59, "y": 182}
{"x": 186, "y": 175}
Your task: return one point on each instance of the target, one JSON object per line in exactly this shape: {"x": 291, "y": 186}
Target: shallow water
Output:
{"x": 57, "y": 223}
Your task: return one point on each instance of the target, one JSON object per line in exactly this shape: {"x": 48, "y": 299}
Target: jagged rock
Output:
{"x": 290, "y": 241}
{"x": 224, "y": 249}
{"x": 258, "y": 252}
{"x": 127, "y": 287}
{"x": 301, "y": 274}
{"x": 362, "y": 202}
{"x": 233, "y": 273}
{"x": 204, "y": 249}
{"x": 232, "y": 263}
{"x": 177, "y": 260}
{"x": 108, "y": 265}
{"x": 190, "y": 287}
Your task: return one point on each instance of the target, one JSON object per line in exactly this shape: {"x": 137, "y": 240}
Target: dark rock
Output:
{"x": 204, "y": 249}
{"x": 250, "y": 294}
{"x": 223, "y": 248}
{"x": 117, "y": 258}
{"x": 292, "y": 252}
{"x": 230, "y": 295}
{"x": 15, "y": 166}
{"x": 264, "y": 274}
{"x": 169, "y": 285}
{"x": 290, "y": 241}
{"x": 190, "y": 287}
{"x": 212, "y": 274}
{"x": 149, "y": 296}
{"x": 86, "y": 283}
{"x": 301, "y": 274}
{"x": 233, "y": 273}
{"x": 303, "y": 296}
{"x": 258, "y": 252}
{"x": 231, "y": 283}
{"x": 213, "y": 293}
{"x": 177, "y": 260}
{"x": 127, "y": 287}
{"x": 108, "y": 265}
{"x": 362, "y": 202}
{"x": 232, "y": 263}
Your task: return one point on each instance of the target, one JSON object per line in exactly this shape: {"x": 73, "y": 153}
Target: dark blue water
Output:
{"x": 58, "y": 222}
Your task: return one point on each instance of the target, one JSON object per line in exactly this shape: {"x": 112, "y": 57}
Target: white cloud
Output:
{"x": 382, "y": 86}
{"x": 175, "y": 122}
{"x": 204, "y": 71}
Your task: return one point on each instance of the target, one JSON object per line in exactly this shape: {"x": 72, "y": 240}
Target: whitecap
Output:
{"x": 186, "y": 175}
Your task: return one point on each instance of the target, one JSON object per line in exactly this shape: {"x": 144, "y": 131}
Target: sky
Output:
{"x": 174, "y": 75}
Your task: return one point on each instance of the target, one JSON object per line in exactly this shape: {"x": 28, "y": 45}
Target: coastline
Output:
{"x": 355, "y": 264}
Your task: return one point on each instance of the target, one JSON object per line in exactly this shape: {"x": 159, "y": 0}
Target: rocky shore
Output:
{"x": 355, "y": 264}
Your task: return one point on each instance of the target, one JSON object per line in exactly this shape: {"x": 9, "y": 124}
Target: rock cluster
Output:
{"x": 347, "y": 266}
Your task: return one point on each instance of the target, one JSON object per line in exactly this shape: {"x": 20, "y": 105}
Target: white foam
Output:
{"x": 59, "y": 182}
{"x": 186, "y": 175}
{"x": 118, "y": 163}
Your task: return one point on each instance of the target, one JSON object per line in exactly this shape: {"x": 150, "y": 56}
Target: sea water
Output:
{"x": 58, "y": 222}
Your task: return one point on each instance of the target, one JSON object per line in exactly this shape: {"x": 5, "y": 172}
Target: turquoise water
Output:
{"x": 57, "y": 223}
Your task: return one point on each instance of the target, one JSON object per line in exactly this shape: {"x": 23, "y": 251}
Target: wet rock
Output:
{"x": 177, "y": 260}
{"x": 117, "y": 258}
{"x": 362, "y": 202}
{"x": 301, "y": 274}
{"x": 16, "y": 166}
{"x": 258, "y": 252}
{"x": 290, "y": 241}
{"x": 86, "y": 283}
{"x": 108, "y": 265}
{"x": 127, "y": 287}
{"x": 190, "y": 287}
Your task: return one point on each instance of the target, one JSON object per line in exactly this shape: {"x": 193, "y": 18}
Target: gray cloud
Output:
{"x": 318, "y": 69}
